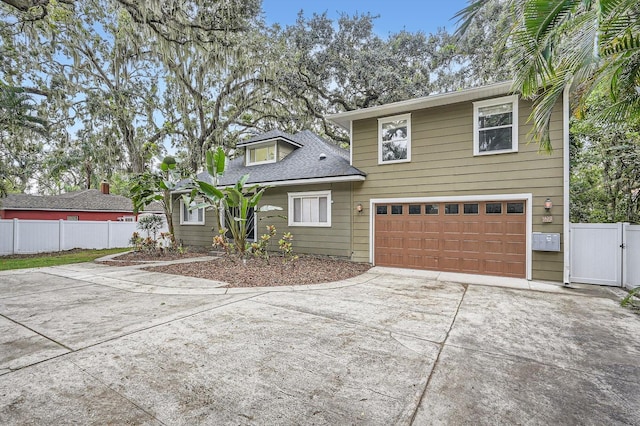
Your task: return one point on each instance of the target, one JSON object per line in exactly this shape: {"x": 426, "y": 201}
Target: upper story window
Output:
{"x": 191, "y": 217}
{"x": 261, "y": 154}
{"x": 310, "y": 208}
{"x": 394, "y": 139}
{"x": 495, "y": 126}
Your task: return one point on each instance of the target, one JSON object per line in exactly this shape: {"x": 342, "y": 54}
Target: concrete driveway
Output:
{"x": 93, "y": 344}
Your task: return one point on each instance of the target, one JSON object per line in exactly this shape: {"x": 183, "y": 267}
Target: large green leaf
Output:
{"x": 233, "y": 197}
{"x": 209, "y": 190}
{"x": 219, "y": 160}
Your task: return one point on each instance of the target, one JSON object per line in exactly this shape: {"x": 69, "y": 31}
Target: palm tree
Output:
{"x": 580, "y": 44}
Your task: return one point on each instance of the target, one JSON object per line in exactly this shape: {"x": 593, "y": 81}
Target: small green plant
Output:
{"x": 260, "y": 248}
{"x": 135, "y": 241}
{"x": 151, "y": 224}
{"x": 164, "y": 244}
{"x": 632, "y": 301}
{"x": 221, "y": 241}
{"x": 285, "y": 245}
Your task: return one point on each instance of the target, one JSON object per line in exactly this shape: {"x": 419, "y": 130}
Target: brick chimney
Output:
{"x": 104, "y": 187}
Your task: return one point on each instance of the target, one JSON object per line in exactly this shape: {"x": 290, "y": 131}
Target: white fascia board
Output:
{"x": 527, "y": 197}
{"x": 289, "y": 141}
{"x": 344, "y": 118}
{"x": 72, "y": 210}
{"x": 336, "y": 179}
{"x": 293, "y": 182}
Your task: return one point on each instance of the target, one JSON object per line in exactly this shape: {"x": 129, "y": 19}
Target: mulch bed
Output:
{"x": 143, "y": 256}
{"x": 257, "y": 273}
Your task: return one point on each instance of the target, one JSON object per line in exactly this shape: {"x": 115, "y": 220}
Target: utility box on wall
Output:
{"x": 542, "y": 241}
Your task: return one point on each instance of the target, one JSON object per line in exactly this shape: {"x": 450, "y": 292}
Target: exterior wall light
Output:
{"x": 359, "y": 208}
{"x": 548, "y": 204}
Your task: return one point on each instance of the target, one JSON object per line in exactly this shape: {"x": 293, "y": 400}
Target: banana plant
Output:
{"x": 235, "y": 202}
{"x": 153, "y": 186}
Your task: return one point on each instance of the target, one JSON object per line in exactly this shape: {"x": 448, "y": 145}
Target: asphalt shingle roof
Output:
{"x": 304, "y": 162}
{"x": 85, "y": 200}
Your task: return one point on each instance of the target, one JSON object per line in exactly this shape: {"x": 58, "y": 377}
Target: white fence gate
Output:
{"x": 40, "y": 236}
{"x": 605, "y": 254}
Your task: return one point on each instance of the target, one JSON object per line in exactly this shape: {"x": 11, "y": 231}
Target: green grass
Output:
{"x": 53, "y": 259}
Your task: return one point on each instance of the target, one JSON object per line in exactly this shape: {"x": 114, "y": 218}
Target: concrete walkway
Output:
{"x": 89, "y": 343}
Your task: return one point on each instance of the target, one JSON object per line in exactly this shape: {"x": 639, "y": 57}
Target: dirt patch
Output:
{"x": 257, "y": 273}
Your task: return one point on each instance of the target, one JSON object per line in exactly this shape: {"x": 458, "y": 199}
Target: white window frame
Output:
{"x": 513, "y": 100}
{"x": 381, "y": 123}
{"x": 312, "y": 194}
{"x": 185, "y": 221}
{"x": 248, "y": 161}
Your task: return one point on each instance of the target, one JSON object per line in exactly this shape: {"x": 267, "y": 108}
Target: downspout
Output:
{"x": 565, "y": 217}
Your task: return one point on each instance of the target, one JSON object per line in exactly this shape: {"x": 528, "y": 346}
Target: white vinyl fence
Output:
{"x": 40, "y": 236}
{"x": 605, "y": 254}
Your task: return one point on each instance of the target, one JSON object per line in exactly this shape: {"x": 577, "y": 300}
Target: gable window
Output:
{"x": 310, "y": 208}
{"x": 394, "y": 139}
{"x": 261, "y": 154}
{"x": 495, "y": 126}
{"x": 191, "y": 217}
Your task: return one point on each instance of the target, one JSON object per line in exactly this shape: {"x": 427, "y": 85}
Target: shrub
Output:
{"x": 151, "y": 224}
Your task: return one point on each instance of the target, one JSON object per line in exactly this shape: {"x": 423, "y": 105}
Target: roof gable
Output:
{"x": 272, "y": 135}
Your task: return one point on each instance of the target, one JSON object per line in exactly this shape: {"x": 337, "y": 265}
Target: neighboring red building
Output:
{"x": 89, "y": 204}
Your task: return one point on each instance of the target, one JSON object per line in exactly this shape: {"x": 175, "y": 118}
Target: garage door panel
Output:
{"x": 431, "y": 244}
{"x": 491, "y": 243}
{"x": 494, "y": 266}
{"x": 451, "y": 245}
{"x": 413, "y": 226}
{"x": 382, "y": 242}
{"x": 471, "y": 227}
{"x": 470, "y": 265}
{"x": 452, "y": 227}
{"x": 494, "y": 247}
{"x": 415, "y": 261}
{"x": 449, "y": 263}
{"x": 516, "y": 247}
{"x": 413, "y": 243}
{"x": 494, "y": 227}
{"x": 471, "y": 246}
{"x": 513, "y": 228}
{"x": 431, "y": 226}
{"x": 395, "y": 225}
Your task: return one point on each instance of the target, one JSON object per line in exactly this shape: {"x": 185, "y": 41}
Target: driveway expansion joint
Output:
{"x": 36, "y": 332}
{"x": 435, "y": 363}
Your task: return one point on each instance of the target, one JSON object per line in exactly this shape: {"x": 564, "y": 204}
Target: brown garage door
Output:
{"x": 471, "y": 237}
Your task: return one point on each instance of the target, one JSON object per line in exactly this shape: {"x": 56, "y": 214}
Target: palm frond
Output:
{"x": 466, "y": 16}
{"x": 543, "y": 17}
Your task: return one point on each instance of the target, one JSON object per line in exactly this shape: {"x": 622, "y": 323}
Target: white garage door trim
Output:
{"x": 465, "y": 198}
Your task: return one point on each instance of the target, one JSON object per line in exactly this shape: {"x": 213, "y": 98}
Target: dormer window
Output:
{"x": 261, "y": 154}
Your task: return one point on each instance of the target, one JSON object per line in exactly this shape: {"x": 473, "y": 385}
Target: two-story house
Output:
{"x": 445, "y": 182}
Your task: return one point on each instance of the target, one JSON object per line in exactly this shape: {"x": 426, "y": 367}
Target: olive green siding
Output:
{"x": 193, "y": 235}
{"x": 330, "y": 241}
{"x": 443, "y": 164}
